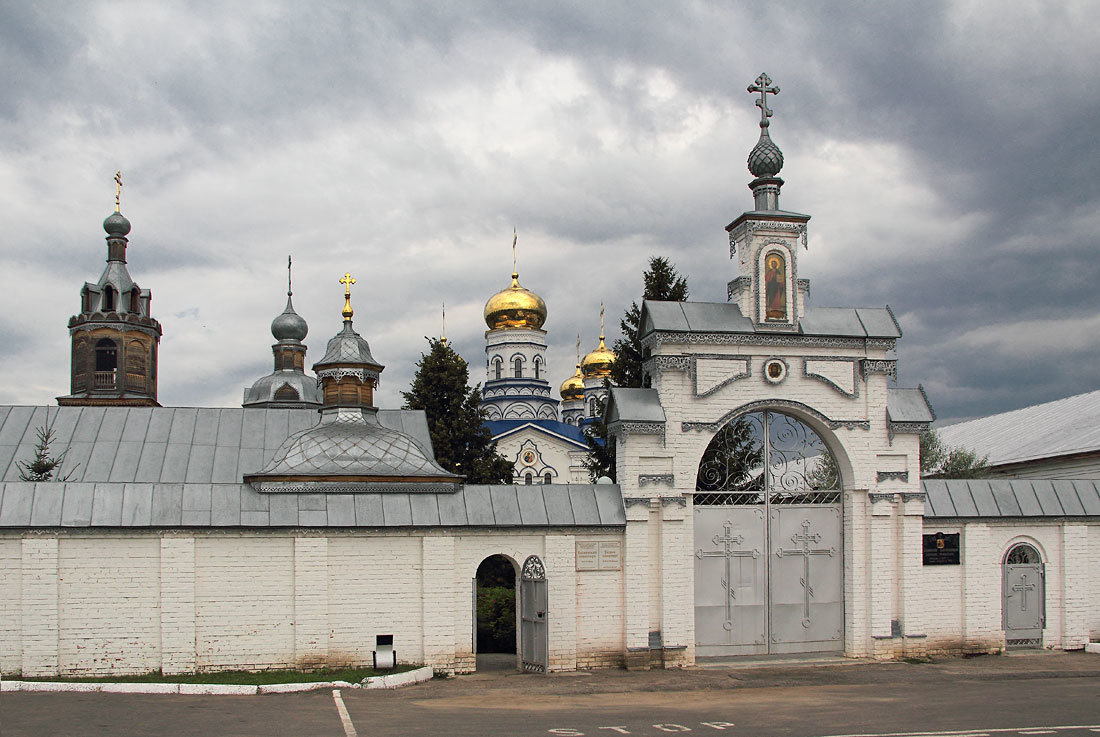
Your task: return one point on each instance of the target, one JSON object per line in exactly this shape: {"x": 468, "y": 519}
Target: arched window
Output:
{"x": 538, "y": 365}
{"x": 528, "y": 479}
{"x": 498, "y": 367}
{"x": 767, "y": 455}
{"x": 108, "y": 299}
{"x": 547, "y": 478}
{"x": 775, "y": 287}
{"x": 286, "y": 393}
{"x": 592, "y": 407}
{"x": 135, "y": 300}
{"x": 519, "y": 368}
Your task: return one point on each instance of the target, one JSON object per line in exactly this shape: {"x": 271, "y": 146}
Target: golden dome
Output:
{"x": 515, "y": 307}
{"x": 597, "y": 364}
{"x": 572, "y": 389}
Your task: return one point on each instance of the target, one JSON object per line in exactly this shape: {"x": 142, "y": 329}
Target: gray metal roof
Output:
{"x": 166, "y": 444}
{"x": 347, "y": 346}
{"x": 634, "y": 405}
{"x": 908, "y": 405}
{"x": 716, "y": 317}
{"x": 114, "y": 505}
{"x": 1062, "y": 427}
{"x": 1011, "y": 498}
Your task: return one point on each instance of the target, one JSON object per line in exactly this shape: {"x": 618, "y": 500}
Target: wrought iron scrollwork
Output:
{"x": 533, "y": 569}
{"x": 767, "y": 453}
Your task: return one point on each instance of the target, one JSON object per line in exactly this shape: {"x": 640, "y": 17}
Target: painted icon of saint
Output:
{"x": 775, "y": 287}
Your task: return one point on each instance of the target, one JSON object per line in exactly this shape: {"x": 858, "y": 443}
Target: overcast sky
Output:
{"x": 948, "y": 153}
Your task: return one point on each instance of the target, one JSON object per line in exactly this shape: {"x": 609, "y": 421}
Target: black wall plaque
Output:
{"x": 941, "y": 550}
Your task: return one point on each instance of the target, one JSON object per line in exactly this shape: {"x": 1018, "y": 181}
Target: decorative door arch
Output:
{"x": 768, "y": 537}
{"x": 1023, "y": 596}
{"x": 534, "y": 653}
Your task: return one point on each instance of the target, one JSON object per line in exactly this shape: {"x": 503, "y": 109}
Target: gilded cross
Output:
{"x": 764, "y": 86}
{"x": 727, "y": 540}
{"x": 515, "y": 238}
{"x": 347, "y": 281}
{"x": 118, "y": 189}
{"x": 805, "y": 538}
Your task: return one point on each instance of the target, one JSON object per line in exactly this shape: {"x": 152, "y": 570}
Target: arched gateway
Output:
{"x": 768, "y": 557}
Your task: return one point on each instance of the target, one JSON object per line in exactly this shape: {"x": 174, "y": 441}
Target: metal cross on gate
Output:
{"x": 805, "y": 537}
{"x": 1023, "y": 587}
{"x": 727, "y": 541}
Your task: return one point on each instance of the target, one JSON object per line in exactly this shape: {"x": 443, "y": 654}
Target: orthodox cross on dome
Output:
{"x": 118, "y": 190}
{"x": 289, "y": 292}
{"x": 347, "y": 281}
{"x": 515, "y": 238}
{"x": 601, "y": 322}
{"x": 764, "y": 86}
{"x": 443, "y": 336}
{"x": 578, "y": 349}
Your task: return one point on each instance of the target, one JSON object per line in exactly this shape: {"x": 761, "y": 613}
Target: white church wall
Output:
{"x": 549, "y": 455}
{"x": 244, "y": 602}
{"x": 108, "y": 604}
{"x": 963, "y": 603}
{"x": 11, "y": 584}
{"x": 1093, "y": 567}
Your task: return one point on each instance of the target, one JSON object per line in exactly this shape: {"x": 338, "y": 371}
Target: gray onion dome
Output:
{"x": 116, "y": 224}
{"x": 289, "y": 325}
{"x": 765, "y": 159}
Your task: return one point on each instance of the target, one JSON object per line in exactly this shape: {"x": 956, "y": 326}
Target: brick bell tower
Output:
{"x": 115, "y": 339}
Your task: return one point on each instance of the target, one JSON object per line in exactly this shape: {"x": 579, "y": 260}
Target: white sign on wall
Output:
{"x": 599, "y": 555}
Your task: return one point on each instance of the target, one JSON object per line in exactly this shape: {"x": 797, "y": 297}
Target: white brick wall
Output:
{"x": 11, "y": 621}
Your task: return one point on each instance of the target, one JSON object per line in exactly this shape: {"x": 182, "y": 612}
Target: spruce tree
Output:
{"x": 461, "y": 441}
{"x": 42, "y": 467}
{"x": 660, "y": 282}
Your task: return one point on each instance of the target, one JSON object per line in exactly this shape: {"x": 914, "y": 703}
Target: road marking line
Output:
{"x": 976, "y": 732}
{"x": 345, "y": 718}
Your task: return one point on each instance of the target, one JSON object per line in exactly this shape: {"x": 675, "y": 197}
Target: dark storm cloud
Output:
{"x": 405, "y": 140}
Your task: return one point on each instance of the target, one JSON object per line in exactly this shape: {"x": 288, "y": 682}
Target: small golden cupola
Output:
{"x": 597, "y": 364}
{"x": 572, "y": 389}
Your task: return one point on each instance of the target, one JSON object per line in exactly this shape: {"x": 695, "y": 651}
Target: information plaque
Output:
{"x": 602, "y": 555}
{"x": 941, "y": 549}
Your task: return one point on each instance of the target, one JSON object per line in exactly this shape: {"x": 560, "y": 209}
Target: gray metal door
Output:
{"x": 532, "y": 607}
{"x": 1023, "y": 597}
{"x": 768, "y": 538}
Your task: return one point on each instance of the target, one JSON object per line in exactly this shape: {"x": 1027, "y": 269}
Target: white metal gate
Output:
{"x": 768, "y": 538}
{"x": 532, "y": 607}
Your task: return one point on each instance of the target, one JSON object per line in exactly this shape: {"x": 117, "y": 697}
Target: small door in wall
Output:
{"x": 1023, "y": 597}
{"x": 532, "y": 604}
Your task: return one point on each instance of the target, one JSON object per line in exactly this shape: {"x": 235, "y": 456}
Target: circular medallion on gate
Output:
{"x": 775, "y": 370}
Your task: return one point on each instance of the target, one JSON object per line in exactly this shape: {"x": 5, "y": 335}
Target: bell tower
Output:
{"x": 765, "y": 240}
{"x": 114, "y": 338}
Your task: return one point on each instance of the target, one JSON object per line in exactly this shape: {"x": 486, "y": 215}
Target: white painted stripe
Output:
{"x": 975, "y": 732}
{"x": 345, "y": 718}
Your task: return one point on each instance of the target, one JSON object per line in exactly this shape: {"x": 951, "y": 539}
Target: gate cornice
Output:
{"x": 762, "y": 404}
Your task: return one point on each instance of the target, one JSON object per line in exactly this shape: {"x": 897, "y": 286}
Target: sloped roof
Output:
{"x": 722, "y": 317}
{"x": 571, "y": 433}
{"x": 138, "y": 505}
{"x": 1062, "y": 427}
{"x": 908, "y": 405}
{"x": 1011, "y": 498}
{"x": 634, "y": 405}
{"x": 166, "y": 444}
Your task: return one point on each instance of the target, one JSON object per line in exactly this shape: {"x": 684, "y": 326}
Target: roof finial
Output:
{"x": 578, "y": 350}
{"x": 515, "y": 238}
{"x": 347, "y": 281}
{"x": 764, "y": 86}
{"x": 118, "y": 190}
{"x": 443, "y": 338}
{"x": 289, "y": 291}
{"x": 601, "y": 322}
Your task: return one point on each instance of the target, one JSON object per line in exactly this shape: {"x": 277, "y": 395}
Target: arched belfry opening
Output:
{"x": 495, "y": 613}
{"x": 768, "y": 539}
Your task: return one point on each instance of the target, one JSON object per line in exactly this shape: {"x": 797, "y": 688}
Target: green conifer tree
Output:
{"x": 456, "y": 421}
{"x": 660, "y": 282}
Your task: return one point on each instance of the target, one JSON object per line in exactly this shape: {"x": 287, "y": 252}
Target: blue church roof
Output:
{"x": 498, "y": 428}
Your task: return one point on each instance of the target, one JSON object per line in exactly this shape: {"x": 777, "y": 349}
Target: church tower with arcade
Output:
{"x": 114, "y": 337}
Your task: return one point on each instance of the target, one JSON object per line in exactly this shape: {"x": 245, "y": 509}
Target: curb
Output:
{"x": 396, "y": 680}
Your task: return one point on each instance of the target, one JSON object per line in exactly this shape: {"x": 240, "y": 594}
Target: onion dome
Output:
{"x": 289, "y": 325}
{"x": 515, "y": 307}
{"x": 116, "y": 225}
{"x": 572, "y": 389}
{"x": 597, "y": 364}
{"x": 765, "y": 159}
